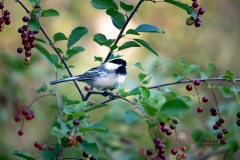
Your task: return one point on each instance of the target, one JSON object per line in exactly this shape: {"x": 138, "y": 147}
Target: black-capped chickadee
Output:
{"x": 103, "y": 77}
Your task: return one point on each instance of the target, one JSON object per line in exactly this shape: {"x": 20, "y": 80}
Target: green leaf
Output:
{"x": 89, "y": 148}
{"x": 79, "y": 107}
{"x": 118, "y": 19}
{"x": 63, "y": 99}
{"x": 49, "y": 13}
{"x": 34, "y": 24}
{"x": 183, "y": 6}
{"x": 234, "y": 89}
{"x": 21, "y": 154}
{"x": 128, "y": 45}
{"x": 186, "y": 100}
{"x": 95, "y": 127}
{"x": 147, "y": 81}
{"x": 237, "y": 98}
{"x": 228, "y": 75}
{"x": 59, "y": 37}
{"x": 226, "y": 92}
{"x": 113, "y": 56}
{"x": 174, "y": 107}
{"x": 176, "y": 77}
{"x": 132, "y": 31}
{"x": 104, "y": 4}
{"x": 131, "y": 117}
{"x": 37, "y": 2}
{"x": 142, "y": 76}
{"x": 50, "y": 155}
{"x": 193, "y": 67}
{"x": 102, "y": 158}
{"x": 45, "y": 52}
{"x": 73, "y": 52}
{"x": 125, "y": 6}
{"x": 43, "y": 88}
{"x": 102, "y": 40}
{"x": 113, "y": 47}
{"x": 76, "y": 35}
{"x": 146, "y": 45}
{"x": 145, "y": 92}
{"x": 41, "y": 40}
{"x": 148, "y": 108}
{"x": 134, "y": 91}
{"x": 211, "y": 67}
{"x": 59, "y": 50}
{"x": 139, "y": 65}
{"x": 148, "y": 28}
{"x": 202, "y": 74}
{"x": 57, "y": 132}
{"x": 100, "y": 59}
{"x": 96, "y": 107}
{"x": 121, "y": 91}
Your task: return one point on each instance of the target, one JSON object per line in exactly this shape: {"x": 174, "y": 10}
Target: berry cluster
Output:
{"x": 71, "y": 142}
{"x": 238, "y": 116}
{"x": 165, "y": 129}
{"x": 5, "y": 17}
{"x": 182, "y": 156}
{"x": 199, "y": 11}
{"x": 28, "y": 115}
{"x": 85, "y": 155}
{"x": 160, "y": 148}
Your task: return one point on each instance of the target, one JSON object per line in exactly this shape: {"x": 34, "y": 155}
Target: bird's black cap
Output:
{"x": 119, "y": 61}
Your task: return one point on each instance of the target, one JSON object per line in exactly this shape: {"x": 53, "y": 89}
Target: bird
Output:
{"x": 103, "y": 77}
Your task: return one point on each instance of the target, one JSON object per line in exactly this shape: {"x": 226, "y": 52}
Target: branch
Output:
{"x": 125, "y": 25}
{"x": 187, "y": 81}
{"x": 55, "y": 49}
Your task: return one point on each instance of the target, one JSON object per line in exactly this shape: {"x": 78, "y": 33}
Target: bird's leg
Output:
{"x": 110, "y": 94}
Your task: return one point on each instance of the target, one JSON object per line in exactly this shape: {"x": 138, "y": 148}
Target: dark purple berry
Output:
{"x": 25, "y": 19}
{"x": 23, "y": 35}
{"x": 218, "y": 124}
{"x": 27, "y": 47}
{"x": 6, "y": 17}
{"x": 29, "y": 117}
{"x": 1, "y": 20}
{"x": 28, "y": 53}
{"x": 1, "y": 5}
{"x": 197, "y": 83}
{"x": 76, "y": 122}
{"x": 205, "y": 99}
{"x": 225, "y": 130}
{"x": 238, "y": 114}
{"x": 213, "y": 113}
{"x": 93, "y": 158}
{"x": 219, "y": 135}
{"x": 223, "y": 141}
{"x": 172, "y": 127}
{"x": 213, "y": 110}
{"x": 7, "y": 22}
{"x": 17, "y": 118}
{"x": 85, "y": 155}
{"x": 149, "y": 152}
{"x": 197, "y": 23}
{"x": 25, "y": 111}
{"x": 37, "y": 6}
{"x": 221, "y": 120}
{"x": 79, "y": 138}
{"x": 201, "y": 11}
{"x": 162, "y": 123}
{"x": 6, "y": 12}
{"x": 168, "y": 132}
{"x": 175, "y": 121}
{"x": 163, "y": 128}
{"x": 174, "y": 151}
{"x": 32, "y": 45}
{"x": 19, "y": 50}
{"x": 20, "y": 30}
{"x": 238, "y": 123}
{"x": 200, "y": 109}
{"x": 215, "y": 127}
{"x": 189, "y": 87}
{"x": 20, "y": 132}
{"x": 25, "y": 27}
{"x": 195, "y": 4}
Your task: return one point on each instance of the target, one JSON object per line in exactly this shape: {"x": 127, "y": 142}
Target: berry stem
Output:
{"x": 44, "y": 146}
{"x": 57, "y": 99}
{"x": 215, "y": 99}
{"x": 176, "y": 139}
{"x": 199, "y": 101}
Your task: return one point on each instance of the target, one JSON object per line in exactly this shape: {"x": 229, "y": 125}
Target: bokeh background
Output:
{"x": 217, "y": 40}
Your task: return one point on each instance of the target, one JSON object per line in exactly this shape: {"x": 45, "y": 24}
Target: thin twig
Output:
{"x": 57, "y": 99}
{"x": 55, "y": 49}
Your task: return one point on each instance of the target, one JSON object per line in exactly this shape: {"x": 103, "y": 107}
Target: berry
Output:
{"x": 205, "y": 99}
{"x": 25, "y": 19}
{"x": 1, "y": 5}
{"x": 41, "y": 147}
{"x": 213, "y": 113}
{"x": 17, "y": 118}
{"x": 201, "y": 11}
{"x": 29, "y": 117}
{"x": 7, "y": 22}
{"x": 200, "y": 109}
{"x": 223, "y": 141}
{"x": 6, "y": 12}
{"x": 6, "y": 17}
{"x": 215, "y": 127}
{"x": 69, "y": 143}
{"x": 198, "y": 19}
{"x": 172, "y": 127}
{"x": 27, "y": 60}
{"x": 28, "y": 53}
{"x": 51, "y": 148}
{"x": 149, "y": 152}
{"x": 225, "y": 130}
{"x": 35, "y": 32}
{"x": 238, "y": 123}
{"x": 197, "y": 23}
{"x": 162, "y": 123}
{"x": 20, "y": 30}
{"x": 190, "y": 21}
{"x": 79, "y": 138}
{"x": 32, "y": 45}
{"x": 25, "y": 40}
{"x": 164, "y": 128}
{"x": 85, "y": 155}
{"x": 175, "y": 121}
{"x": 36, "y": 144}
{"x": 197, "y": 83}
{"x": 25, "y": 27}
{"x": 93, "y": 158}
{"x": 23, "y": 35}
{"x": 20, "y": 132}
{"x": 218, "y": 124}
{"x": 86, "y": 88}
{"x": 1, "y": 20}
{"x": 75, "y": 122}
{"x": 238, "y": 114}
{"x": 75, "y": 142}
{"x": 174, "y": 151}
{"x": 184, "y": 148}
{"x": 25, "y": 111}
{"x": 69, "y": 138}
{"x": 221, "y": 120}
{"x": 178, "y": 157}
{"x": 168, "y": 132}
{"x": 189, "y": 87}
{"x": 31, "y": 37}
{"x": 27, "y": 47}
{"x": 213, "y": 110}
{"x": 195, "y": 4}
{"x": 219, "y": 135}
{"x": 184, "y": 156}
{"x": 37, "y": 6}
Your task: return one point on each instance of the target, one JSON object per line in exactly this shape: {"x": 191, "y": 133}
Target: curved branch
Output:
{"x": 187, "y": 81}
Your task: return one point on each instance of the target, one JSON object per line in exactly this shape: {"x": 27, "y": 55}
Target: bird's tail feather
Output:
{"x": 64, "y": 80}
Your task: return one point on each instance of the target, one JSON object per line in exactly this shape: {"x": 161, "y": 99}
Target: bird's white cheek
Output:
{"x": 121, "y": 79}
{"x": 111, "y": 66}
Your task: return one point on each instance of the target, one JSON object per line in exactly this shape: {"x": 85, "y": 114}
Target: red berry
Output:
{"x": 174, "y": 151}
{"x": 184, "y": 156}
{"x": 27, "y": 47}
{"x": 20, "y": 132}
{"x": 225, "y": 130}
{"x": 197, "y": 83}
{"x": 25, "y": 111}
{"x": 85, "y": 155}
{"x": 41, "y": 147}
{"x": 76, "y": 122}
{"x": 29, "y": 117}
{"x": 51, "y": 148}
{"x": 79, "y": 138}
{"x": 184, "y": 148}
{"x": 36, "y": 144}
{"x": 28, "y": 53}
{"x": 201, "y": 11}
{"x": 1, "y": 20}
{"x": 149, "y": 152}
{"x": 223, "y": 141}
{"x": 172, "y": 127}
{"x": 17, "y": 118}
{"x": 7, "y": 22}
{"x": 25, "y": 27}
{"x": 32, "y": 45}
{"x": 69, "y": 143}
{"x": 205, "y": 99}
{"x": 86, "y": 88}
{"x": 200, "y": 109}
{"x": 195, "y": 4}
{"x": 189, "y": 87}
{"x": 25, "y": 19}
{"x": 1, "y": 5}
